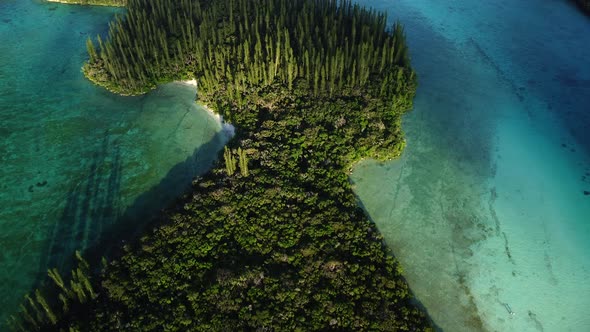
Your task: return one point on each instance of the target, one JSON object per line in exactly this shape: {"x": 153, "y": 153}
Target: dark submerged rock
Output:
{"x": 42, "y": 184}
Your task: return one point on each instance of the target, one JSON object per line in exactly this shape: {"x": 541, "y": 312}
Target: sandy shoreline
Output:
{"x": 83, "y": 4}
{"x": 228, "y": 129}
{"x": 192, "y": 82}
{"x": 62, "y": 1}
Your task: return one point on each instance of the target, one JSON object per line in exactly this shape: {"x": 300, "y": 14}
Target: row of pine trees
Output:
{"x": 39, "y": 311}
{"x": 331, "y": 45}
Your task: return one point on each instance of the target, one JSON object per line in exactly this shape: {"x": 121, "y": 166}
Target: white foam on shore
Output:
{"x": 192, "y": 82}
{"x": 227, "y": 128}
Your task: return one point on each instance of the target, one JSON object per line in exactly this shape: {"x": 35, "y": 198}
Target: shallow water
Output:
{"x": 79, "y": 165}
{"x": 486, "y": 208}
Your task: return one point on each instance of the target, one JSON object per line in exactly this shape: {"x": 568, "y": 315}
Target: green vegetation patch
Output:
{"x": 272, "y": 238}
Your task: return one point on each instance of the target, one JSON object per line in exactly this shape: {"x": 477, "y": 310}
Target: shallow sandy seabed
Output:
{"x": 486, "y": 208}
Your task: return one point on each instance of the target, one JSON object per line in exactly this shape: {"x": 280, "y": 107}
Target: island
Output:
{"x": 273, "y": 237}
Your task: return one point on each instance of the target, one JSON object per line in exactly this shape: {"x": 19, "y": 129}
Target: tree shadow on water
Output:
{"x": 92, "y": 206}
{"x": 92, "y": 220}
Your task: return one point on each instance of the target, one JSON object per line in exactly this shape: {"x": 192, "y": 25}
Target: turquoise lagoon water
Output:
{"x": 80, "y": 166}
{"x": 486, "y": 208}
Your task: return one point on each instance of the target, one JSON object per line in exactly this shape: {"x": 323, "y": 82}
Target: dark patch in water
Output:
{"x": 536, "y": 321}
{"x": 569, "y": 78}
{"x": 573, "y": 150}
{"x": 493, "y": 197}
{"x": 42, "y": 184}
{"x": 507, "y": 248}
{"x": 91, "y": 207}
{"x": 563, "y": 145}
{"x": 473, "y": 320}
{"x": 549, "y": 266}
{"x": 52, "y": 8}
{"x": 586, "y": 193}
{"x": 31, "y": 188}
{"x": 6, "y": 20}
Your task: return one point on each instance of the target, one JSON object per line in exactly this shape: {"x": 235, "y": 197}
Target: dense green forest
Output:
{"x": 585, "y": 5}
{"x": 272, "y": 238}
{"x": 114, "y": 3}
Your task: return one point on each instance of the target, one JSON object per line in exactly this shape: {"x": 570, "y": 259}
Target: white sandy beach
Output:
{"x": 228, "y": 129}
{"x": 192, "y": 82}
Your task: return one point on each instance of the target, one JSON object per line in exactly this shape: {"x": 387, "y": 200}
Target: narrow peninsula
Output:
{"x": 272, "y": 238}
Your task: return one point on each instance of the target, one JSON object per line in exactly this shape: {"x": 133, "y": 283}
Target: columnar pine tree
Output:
{"x": 243, "y": 162}
{"x": 230, "y": 161}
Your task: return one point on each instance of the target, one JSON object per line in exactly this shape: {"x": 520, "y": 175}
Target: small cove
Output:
{"x": 81, "y": 166}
